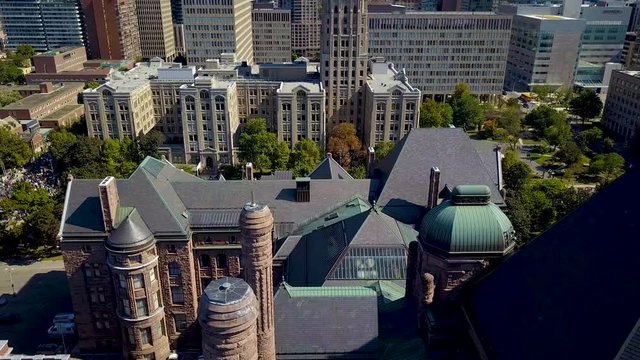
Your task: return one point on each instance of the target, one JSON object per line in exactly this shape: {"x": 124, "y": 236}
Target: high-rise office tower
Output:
{"x": 45, "y": 25}
{"x": 271, "y": 34}
{"x": 305, "y": 27}
{"x": 156, "y": 29}
{"x": 344, "y": 44}
{"x": 112, "y": 29}
{"x": 214, "y": 27}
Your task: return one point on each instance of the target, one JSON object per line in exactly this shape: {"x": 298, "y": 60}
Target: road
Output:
{"x": 41, "y": 292}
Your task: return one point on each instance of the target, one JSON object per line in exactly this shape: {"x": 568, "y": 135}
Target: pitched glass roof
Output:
{"x": 364, "y": 263}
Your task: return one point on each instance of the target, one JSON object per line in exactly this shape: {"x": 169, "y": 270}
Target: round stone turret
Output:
{"x": 227, "y": 314}
{"x": 256, "y": 227}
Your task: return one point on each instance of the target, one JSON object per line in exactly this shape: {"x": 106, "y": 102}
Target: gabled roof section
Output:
{"x": 405, "y": 171}
{"x": 164, "y": 170}
{"x": 82, "y": 213}
{"x": 578, "y": 276}
{"x": 326, "y": 323}
{"x": 329, "y": 169}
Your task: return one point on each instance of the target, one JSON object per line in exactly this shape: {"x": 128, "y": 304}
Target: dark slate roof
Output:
{"x": 405, "y": 171}
{"x": 279, "y": 175}
{"x": 631, "y": 348}
{"x": 82, "y": 214}
{"x": 338, "y": 322}
{"x": 329, "y": 169}
{"x": 131, "y": 233}
{"x": 572, "y": 292}
{"x": 214, "y": 218}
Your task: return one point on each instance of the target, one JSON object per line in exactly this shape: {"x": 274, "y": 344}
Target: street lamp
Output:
{"x": 13, "y": 287}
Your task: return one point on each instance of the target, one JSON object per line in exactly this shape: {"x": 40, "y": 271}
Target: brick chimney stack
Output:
{"x": 256, "y": 226}
{"x": 434, "y": 188}
{"x": 109, "y": 201}
{"x": 499, "y": 155}
{"x": 371, "y": 161}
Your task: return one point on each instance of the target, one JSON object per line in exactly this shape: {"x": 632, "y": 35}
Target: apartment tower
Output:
{"x": 214, "y": 27}
{"x": 112, "y": 29}
{"x": 156, "y": 29}
{"x": 305, "y": 27}
{"x": 271, "y": 34}
{"x": 344, "y": 44}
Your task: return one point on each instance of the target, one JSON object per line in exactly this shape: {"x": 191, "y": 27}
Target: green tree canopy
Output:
{"x": 10, "y": 73}
{"x": 14, "y": 151}
{"x": 609, "y": 165}
{"x": 92, "y": 85}
{"x": 358, "y": 172}
{"x": 261, "y": 147}
{"x": 514, "y": 171}
{"x": 8, "y": 97}
{"x": 305, "y": 157}
{"x": 586, "y": 105}
{"x": 589, "y": 137}
{"x": 344, "y": 144}
{"x": 25, "y": 50}
{"x": 543, "y": 91}
{"x": 149, "y": 143}
{"x": 569, "y": 153}
{"x": 383, "y": 149}
{"x": 543, "y": 117}
{"x": 434, "y": 114}
{"x": 467, "y": 111}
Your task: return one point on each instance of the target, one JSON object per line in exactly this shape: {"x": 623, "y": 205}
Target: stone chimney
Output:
{"x": 256, "y": 229}
{"x": 499, "y": 156}
{"x": 434, "y": 188}
{"x": 46, "y": 87}
{"x": 109, "y": 201}
{"x": 248, "y": 171}
{"x": 371, "y": 161}
{"x": 303, "y": 189}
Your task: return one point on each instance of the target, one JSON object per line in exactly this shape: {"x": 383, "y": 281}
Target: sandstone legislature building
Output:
{"x": 164, "y": 261}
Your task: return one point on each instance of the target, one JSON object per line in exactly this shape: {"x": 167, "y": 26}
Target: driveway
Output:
{"x": 41, "y": 292}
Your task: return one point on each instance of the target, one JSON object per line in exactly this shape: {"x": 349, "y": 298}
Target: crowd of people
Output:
{"x": 39, "y": 173}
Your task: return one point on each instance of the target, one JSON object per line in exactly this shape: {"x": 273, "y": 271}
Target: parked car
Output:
{"x": 9, "y": 318}
{"x": 61, "y": 329}
{"x": 64, "y": 318}
{"x": 49, "y": 349}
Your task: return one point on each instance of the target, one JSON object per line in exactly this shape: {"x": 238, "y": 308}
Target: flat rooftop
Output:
{"x": 59, "y": 51}
{"x": 37, "y": 99}
{"x": 548, "y": 17}
{"x": 139, "y": 76}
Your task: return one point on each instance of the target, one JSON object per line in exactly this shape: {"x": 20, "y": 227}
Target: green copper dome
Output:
{"x": 467, "y": 224}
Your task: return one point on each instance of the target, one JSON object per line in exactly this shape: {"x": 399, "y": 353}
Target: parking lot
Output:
{"x": 41, "y": 292}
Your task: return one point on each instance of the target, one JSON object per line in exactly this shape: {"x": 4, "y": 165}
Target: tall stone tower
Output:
{"x": 256, "y": 225}
{"x": 344, "y": 48}
{"x": 227, "y": 314}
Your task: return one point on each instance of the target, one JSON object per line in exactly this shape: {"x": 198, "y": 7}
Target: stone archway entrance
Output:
{"x": 209, "y": 162}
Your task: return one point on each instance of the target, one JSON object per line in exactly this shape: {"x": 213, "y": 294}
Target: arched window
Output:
{"x": 205, "y": 260}
{"x": 335, "y": 9}
{"x": 219, "y": 100}
{"x": 174, "y": 269}
{"x": 355, "y": 9}
{"x": 190, "y": 103}
{"x": 397, "y": 93}
{"x": 346, "y": 9}
{"x": 221, "y": 261}
{"x": 204, "y": 94}
{"x": 106, "y": 93}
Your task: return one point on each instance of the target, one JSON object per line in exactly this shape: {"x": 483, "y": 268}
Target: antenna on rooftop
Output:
{"x": 252, "y": 198}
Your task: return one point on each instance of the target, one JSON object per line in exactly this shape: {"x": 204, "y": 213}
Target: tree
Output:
{"x": 25, "y": 50}
{"x": 508, "y": 118}
{"x": 92, "y": 85}
{"x": 280, "y": 156}
{"x": 149, "y": 143}
{"x": 60, "y": 143}
{"x": 344, "y": 144}
{"x": 588, "y": 138}
{"x": 434, "y": 114}
{"x": 304, "y": 158}
{"x": 10, "y": 73}
{"x": 559, "y": 133}
{"x": 569, "y": 153}
{"x": 543, "y": 117}
{"x": 358, "y": 172}
{"x": 608, "y": 144}
{"x": 543, "y": 91}
{"x": 586, "y": 105}
{"x": 467, "y": 111}
{"x": 261, "y": 147}
{"x": 564, "y": 96}
{"x": 14, "y": 151}
{"x": 514, "y": 171}
{"x": 610, "y": 165}
{"x": 8, "y": 97}
{"x": 383, "y": 149}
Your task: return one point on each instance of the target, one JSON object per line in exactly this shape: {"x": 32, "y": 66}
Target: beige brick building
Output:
{"x": 392, "y": 106}
{"x": 123, "y": 107}
{"x": 156, "y": 29}
{"x": 621, "y": 114}
{"x": 214, "y": 27}
{"x": 271, "y": 35}
{"x": 305, "y": 27}
{"x": 442, "y": 49}
{"x": 343, "y": 62}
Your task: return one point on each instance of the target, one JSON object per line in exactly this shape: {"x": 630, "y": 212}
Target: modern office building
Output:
{"x": 123, "y": 106}
{"x": 392, "y": 106}
{"x": 441, "y": 49}
{"x": 112, "y": 29}
{"x": 544, "y": 51}
{"x": 630, "y": 50}
{"x": 214, "y": 27}
{"x": 621, "y": 114}
{"x": 271, "y": 35}
{"x": 343, "y": 63}
{"x": 602, "y": 42}
{"x": 156, "y": 29}
{"x": 305, "y": 27}
{"x": 43, "y": 24}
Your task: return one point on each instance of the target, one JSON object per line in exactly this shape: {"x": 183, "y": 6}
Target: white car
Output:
{"x": 64, "y": 318}
{"x": 61, "y": 329}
